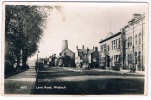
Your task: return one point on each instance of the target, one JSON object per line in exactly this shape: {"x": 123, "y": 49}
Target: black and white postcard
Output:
{"x": 75, "y": 48}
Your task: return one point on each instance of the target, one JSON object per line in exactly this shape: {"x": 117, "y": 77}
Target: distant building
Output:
{"x": 90, "y": 56}
{"x": 52, "y": 60}
{"x": 66, "y": 56}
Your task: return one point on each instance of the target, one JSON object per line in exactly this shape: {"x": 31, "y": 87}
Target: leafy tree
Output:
{"x": 23, "y": 29}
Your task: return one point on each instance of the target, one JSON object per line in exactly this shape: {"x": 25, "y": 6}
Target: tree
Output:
{"x": 23, "y": 29}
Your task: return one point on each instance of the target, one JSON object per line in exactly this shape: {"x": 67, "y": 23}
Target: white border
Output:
{"x": 149, "y": 44}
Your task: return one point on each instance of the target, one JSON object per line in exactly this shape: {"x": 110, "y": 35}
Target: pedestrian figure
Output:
{"x": 133, "y": 68}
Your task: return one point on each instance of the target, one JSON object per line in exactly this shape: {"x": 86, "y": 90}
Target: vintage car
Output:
{"x": 86, "y": 66}
{"x": 39, "y": 66}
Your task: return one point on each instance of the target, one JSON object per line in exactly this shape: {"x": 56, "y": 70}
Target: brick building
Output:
{"x": 87, "y": 55}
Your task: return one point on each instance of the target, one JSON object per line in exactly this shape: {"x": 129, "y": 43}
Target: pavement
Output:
{"x": 127, "y": 72}
{"x": 142, "y": 73}
{"x": 21, "y": 83}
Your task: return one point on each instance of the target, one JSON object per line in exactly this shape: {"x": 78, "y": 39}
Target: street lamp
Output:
{"x": 37, "y": 56}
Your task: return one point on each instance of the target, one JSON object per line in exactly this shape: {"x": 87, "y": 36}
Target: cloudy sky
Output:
{"x": 85, "y": 24}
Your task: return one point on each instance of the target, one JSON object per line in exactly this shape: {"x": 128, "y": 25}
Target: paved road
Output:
{"x": 58, "y": 80}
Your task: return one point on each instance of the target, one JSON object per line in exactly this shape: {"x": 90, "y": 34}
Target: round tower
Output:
{"x": 64, "y": 44}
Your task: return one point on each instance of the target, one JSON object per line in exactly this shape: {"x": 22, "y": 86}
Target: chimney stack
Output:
{"x": 87, "y": 50}
{"x": 82, "y": 46}
{"x": 136, "y": 15}
{"x": 77, "y": 47}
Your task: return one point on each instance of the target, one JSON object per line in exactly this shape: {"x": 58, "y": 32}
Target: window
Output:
{"x": 80, "y": 57}
{"x": 108, "y": 48}
{"x": 104, "y": 47}
{"x": 114, "y": 44}
{"x": 135, "y": 39}
{"x": 130, "y": 58}
{"x": 119, "y": 43}
{"x": 129, "y": 42}
{"x": 139, "y": 57}
{"x": 139, "y": 40}
{"x": 135, "y": 57}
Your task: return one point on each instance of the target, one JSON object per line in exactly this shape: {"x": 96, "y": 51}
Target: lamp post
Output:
{"x": 37, "y": 66}
{"x": 37, "y": 57}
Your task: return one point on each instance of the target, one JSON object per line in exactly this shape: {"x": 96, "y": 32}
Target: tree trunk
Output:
{"x": 18, "y": 62}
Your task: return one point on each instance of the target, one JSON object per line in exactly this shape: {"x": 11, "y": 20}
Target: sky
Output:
{"x": 84, "y": 24}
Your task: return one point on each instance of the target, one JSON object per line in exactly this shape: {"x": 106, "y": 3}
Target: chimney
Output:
{"x": 77, "y": 47}
{"x": 64, "y": 44}
{"x": 136, "y": 15}
{"x": 122, "y": 31}
{"x": 96, "y": 48}
{"x": 93, "y": 47}
{"x": 87, "y": 50}
{"x": 82, "y": 46}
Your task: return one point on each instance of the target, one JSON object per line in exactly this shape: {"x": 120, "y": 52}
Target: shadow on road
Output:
{"x": 55, "y": 80}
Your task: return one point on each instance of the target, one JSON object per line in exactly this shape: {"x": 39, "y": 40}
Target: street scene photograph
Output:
{"x": 75, "y": 48}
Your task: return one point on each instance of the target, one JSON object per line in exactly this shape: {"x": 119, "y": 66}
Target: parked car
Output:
{"x": 86, "y": 66}
{"x": 41, "y": 66}
{"x": 117, "y": 66}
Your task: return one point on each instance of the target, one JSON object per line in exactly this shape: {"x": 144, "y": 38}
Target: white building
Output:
{"x": 110, "y": 50}
{"x": 134, "y": 37}
{"x": 126, "y": 47}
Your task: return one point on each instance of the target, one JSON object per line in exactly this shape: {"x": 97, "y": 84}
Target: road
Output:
{"x": 67, "y": 81}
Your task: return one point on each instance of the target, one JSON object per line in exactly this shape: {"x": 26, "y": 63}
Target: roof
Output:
{"x": 114, "y": 35}
{"x": 90, "y": 51}
{"x": 65, "y": 50}
{"x": 135, "y": 19}
{"x": 62, "y": 57}
{"x": 84, "y": 51}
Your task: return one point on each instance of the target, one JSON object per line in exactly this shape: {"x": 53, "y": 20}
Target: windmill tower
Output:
{"x": 64, "y": 45}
